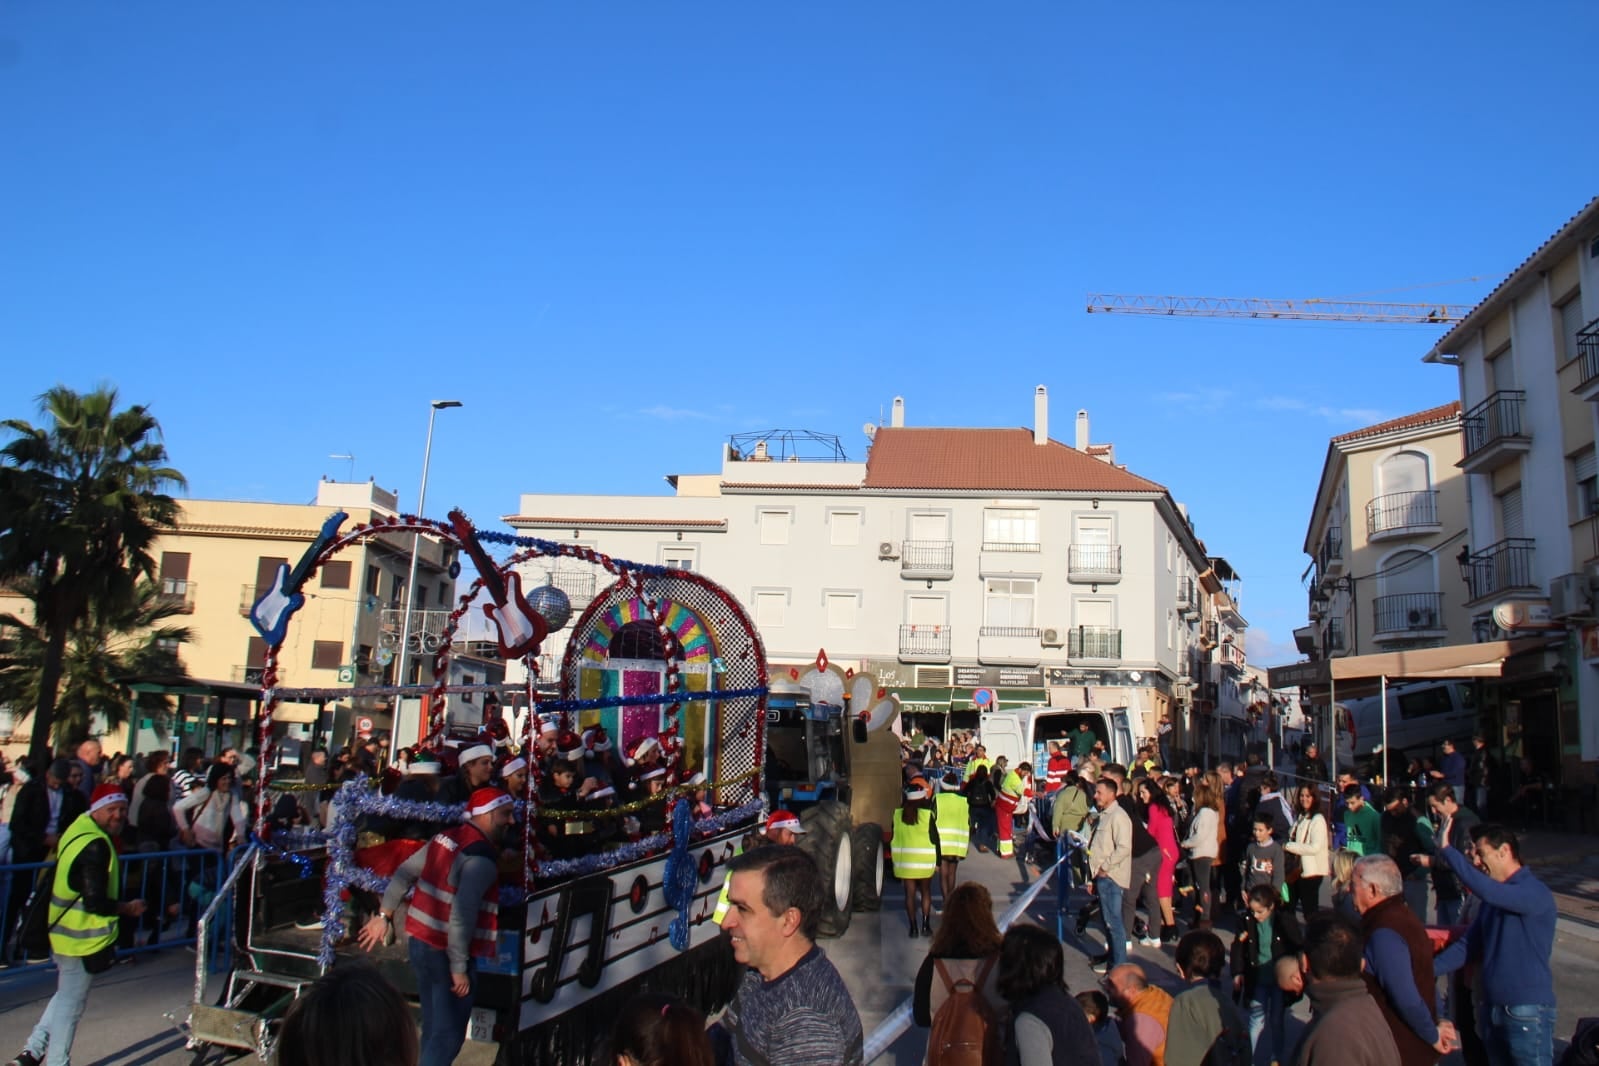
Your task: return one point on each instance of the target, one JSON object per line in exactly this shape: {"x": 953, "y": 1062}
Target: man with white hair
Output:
{"x": 1399, "y": 969}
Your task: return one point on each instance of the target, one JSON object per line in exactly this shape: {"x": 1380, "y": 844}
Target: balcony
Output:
{"x": 577, "y": 584}
{"x": 1401, "y": 514}
{"x": 1094, "y": 643}
{"x": 247, "y": 597}
{"x": 1318, "y": 603}
{"x": 1009, "y": 645}
{"x": 1335, "y": 636}
{"x": 1207, "y": 634}
{"x": 1586, "y": 539}
{"x": 1330, "y": 558}
{"x": 1407, "y": 616}
{"x": 1493, "y": 431}
{"x": 931, "y": 559}
{"x": 1094, "y": 564}
{"x": 1588, "y": 353}
{"x": 1231, "y": 655}
{"x": 427, "y": 629}
{"x": 1500, "y": 568}
{"x": 924, "y": 644}
{"x": 248, "y": 675}
{"x": 177, "y": 593}
{"x": 1187, "y": 598}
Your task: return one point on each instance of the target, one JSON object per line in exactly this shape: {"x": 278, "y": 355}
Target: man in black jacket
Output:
{"x": 45, "y": 807}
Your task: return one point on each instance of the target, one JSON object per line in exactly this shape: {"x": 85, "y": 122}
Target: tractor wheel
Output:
{"x": 827, "y": 840}
{"x": 867, "y": 842}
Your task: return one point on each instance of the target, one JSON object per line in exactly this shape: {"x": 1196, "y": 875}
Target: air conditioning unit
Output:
{"x": 1052, "y": 637}
{"x": 1422, "y": 618}
{"x": 1182, "y": 688}
{"x": 1570, "y": 596}
{"x": 887, "y": 550}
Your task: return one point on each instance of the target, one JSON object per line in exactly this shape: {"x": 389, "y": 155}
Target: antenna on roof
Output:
{"x": 349, "y": 459}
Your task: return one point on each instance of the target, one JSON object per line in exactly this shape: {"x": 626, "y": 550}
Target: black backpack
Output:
{"x": 1584, "y": 1049}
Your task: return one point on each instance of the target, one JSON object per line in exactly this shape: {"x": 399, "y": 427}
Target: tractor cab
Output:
{"x": 807, "y": 750}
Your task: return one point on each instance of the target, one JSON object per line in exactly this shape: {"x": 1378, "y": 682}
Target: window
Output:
{"x": 1502, "y": 370}
{"x": 771, "y": 605}
{"x": 266, "y": 572}
{"x": 421, "y": 596}
{"x": 774, "y": 527}
{"x": 174, "y": 573}
{"x": 397, "y": 592}
{"x": 363, "y": 659}
{"x": 1425, "y": 703}
{"x": 167, "y": 645}
{"x": 336, "y": 574}
{"x": 1408, "y": 573}
{"x": 1094, "y": 614}
{"x": 677, "y": 556}
{"x": 1009, "y": 528}
{"x": 1570, "y": 325}
{"x": 1171, "y": 553}
{"x": 1009, "y": 601}
{"x": 327, "y": 654}
{"x": 844, "y": 528}
{"x": 373, "y": 576}
{"x": 842, "y": 609}
{"x": 468, "y": 679}
{"x": 444, "y": 594}
{"x": 1510, "y": 513}
{"x": 255, "y": 653}
{"x": 1585, "y": 477}
{"x": 926, "y": 610}
{"x": 929, "y": 526}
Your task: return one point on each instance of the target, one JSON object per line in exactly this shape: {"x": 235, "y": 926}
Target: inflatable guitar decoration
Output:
{"x": 277, "y": 605}
{"x": 520, "y": 627}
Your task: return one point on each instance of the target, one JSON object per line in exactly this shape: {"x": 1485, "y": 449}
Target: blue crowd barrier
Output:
{"x": 176, "y": 887}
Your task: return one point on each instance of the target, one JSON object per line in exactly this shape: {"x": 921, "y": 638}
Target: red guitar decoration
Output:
{"x": 519, "y": 626}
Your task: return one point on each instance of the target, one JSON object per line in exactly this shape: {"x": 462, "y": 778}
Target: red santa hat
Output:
{"x": 783, "y": 820}
{"x": 487, "y": 801}
{"x": 569, "y": 746}
{"x": 642, "y": 749}
{"x": 476, "y": 751}
{"x": 107, "y": 795}
{"x": 596, "y": 739}
{"x": 513, "y": 765}
{"x": 654, "y": 771}
{"x": 425, "y": 764}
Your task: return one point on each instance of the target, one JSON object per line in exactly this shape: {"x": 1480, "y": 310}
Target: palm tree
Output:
{"x": 117, "y": 641}
{"x": 85, "y": 499}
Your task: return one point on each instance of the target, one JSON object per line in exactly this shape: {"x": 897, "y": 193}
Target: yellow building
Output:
{"x": 347, "y": 633}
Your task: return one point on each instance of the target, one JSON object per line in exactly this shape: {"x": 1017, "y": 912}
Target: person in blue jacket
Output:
{"x": 1512, "y": 939}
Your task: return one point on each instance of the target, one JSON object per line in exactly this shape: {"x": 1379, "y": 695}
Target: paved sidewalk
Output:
{"x": 1569, "y": 864}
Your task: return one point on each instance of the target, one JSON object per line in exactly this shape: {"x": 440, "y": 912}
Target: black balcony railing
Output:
{"x": 1499, "y": 568}
{"x": 1588, "y": 352}
{"x": 930, "y": 642}
{"x": 927, "y": 555}
{"x": 1407, "y": 611}
{"x": 1094, "y": 559}
{"x": 1495, "y": 419}
{"x": 1335, "y": 634}
{"x": 1094, "y": 642}
{"x": 1185, "y": 592}
{"x": 1402, "y": 510}
{"x": 1332, "y": 548}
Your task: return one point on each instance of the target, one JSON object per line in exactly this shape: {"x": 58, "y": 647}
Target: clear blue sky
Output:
{"x": 621, "y": 231}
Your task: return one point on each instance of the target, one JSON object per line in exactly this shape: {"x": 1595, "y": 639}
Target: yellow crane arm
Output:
{"x": 1249, "y": 307}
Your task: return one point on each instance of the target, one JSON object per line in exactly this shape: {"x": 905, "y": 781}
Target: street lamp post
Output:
{"x": 403, "y": 662}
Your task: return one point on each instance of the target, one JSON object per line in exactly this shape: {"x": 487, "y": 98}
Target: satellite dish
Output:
{"x": 870, "y": 429}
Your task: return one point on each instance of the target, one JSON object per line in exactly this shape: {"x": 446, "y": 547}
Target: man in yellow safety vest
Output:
{"x": 84, "y": 909}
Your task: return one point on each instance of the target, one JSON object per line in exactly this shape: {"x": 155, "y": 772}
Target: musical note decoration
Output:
{"x": 271, "y": 613}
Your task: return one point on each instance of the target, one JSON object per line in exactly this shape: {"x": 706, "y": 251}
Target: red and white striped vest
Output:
{"x": 1060, "y": 768}
{"x": 428, "y": 919}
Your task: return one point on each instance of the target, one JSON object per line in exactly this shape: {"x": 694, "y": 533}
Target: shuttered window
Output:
{"x": 1510, "y": 513}
{"x": 1585, "y": 476}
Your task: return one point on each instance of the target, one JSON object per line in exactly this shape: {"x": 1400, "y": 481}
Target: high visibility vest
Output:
{"x": 74, "y": 930}
{"x": 723, "y": 902}
{"x": 954, "y": 825}
{"x": 1010, "y": 789}
{"x": 971, "y": 767}
{"x": 912, "y": 847}
{"x": 428, "y": 920}
{"x": 1060, "y": 768}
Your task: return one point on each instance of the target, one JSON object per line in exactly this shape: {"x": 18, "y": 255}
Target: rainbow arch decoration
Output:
{"x": 698, "y": 644}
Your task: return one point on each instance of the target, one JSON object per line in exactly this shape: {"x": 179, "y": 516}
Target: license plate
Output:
{"x": 482, "y": 1027}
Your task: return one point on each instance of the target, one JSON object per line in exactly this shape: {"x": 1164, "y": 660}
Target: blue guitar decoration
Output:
{"x": 272, "y": 611}
{"x": 681, "y": 873}
{"x": 519, "y": 626}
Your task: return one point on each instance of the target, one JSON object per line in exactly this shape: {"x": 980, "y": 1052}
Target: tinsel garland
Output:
{"x": 560, "y": 869}
{"x": 303, "y": 862}
{"x": 677, "y": 885}
{"x": 638, "y": 805}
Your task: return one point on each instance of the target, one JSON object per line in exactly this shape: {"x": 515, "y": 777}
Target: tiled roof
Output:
{"x": 558, "y": 522}
{"x": 989, "y": 460}
{"x": 1469, "y": 323}
{"x": 1440, "y": 415}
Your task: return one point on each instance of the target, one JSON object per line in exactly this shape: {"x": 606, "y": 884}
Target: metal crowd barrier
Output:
{"x": 183, "y": 881}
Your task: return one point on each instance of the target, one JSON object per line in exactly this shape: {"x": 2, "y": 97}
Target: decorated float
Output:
{"x": 659, "y": 654}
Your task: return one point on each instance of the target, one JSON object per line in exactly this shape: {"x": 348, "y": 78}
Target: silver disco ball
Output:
{"x": 551, "y": 604}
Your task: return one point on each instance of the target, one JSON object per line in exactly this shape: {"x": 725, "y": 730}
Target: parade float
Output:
{"x": 659, "y": 654}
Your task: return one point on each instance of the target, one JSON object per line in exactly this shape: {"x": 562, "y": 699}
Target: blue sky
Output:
{"x": 620, "y": 231}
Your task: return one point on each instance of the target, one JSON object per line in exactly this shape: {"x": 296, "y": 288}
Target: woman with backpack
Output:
{"x": 914, "y": 849}
{"x": 959, "y": 982}
{"x": 1048, "y": 1027}
{"x": 980, "y": 800}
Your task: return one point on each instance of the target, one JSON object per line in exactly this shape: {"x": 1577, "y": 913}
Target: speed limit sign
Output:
{"x": 363, "y": 725}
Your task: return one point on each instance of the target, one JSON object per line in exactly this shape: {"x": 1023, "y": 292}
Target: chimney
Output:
{"x": 1082, "y": 430}
{"x": 1040, "y": 415}
{"x": 897, "y": 419}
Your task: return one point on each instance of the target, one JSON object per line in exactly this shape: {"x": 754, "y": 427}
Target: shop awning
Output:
{"x": 192, "y": 686}
{"x": 960, "y": 699}
{"x": 1360, "y": 675}
{"x": 923, "y": 700}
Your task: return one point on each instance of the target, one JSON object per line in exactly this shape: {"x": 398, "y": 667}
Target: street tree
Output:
{"x": 85, "y": 498}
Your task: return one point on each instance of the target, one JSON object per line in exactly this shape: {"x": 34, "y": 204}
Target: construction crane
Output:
{"x": 1304, "y": 310}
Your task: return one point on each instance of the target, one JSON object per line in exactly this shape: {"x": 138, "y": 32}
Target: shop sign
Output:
{"x": 997, "y": 677}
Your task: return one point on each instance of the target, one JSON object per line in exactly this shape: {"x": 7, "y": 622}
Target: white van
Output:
{"x": 1420, "y": 717}
{"x": 1022, "y": 733}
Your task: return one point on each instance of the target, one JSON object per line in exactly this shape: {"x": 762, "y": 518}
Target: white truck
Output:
{"x": 1022, "y": 734}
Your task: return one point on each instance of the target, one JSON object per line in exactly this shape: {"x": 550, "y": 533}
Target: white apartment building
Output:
{"x": 1527, "y": 360}
{"x": 954, "y": 564}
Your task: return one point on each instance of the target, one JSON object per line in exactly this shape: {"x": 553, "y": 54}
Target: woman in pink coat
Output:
{"x": 1158, "y": 819}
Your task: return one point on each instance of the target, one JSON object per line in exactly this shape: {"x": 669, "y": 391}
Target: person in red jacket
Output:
{"x": 452, "y": 920}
